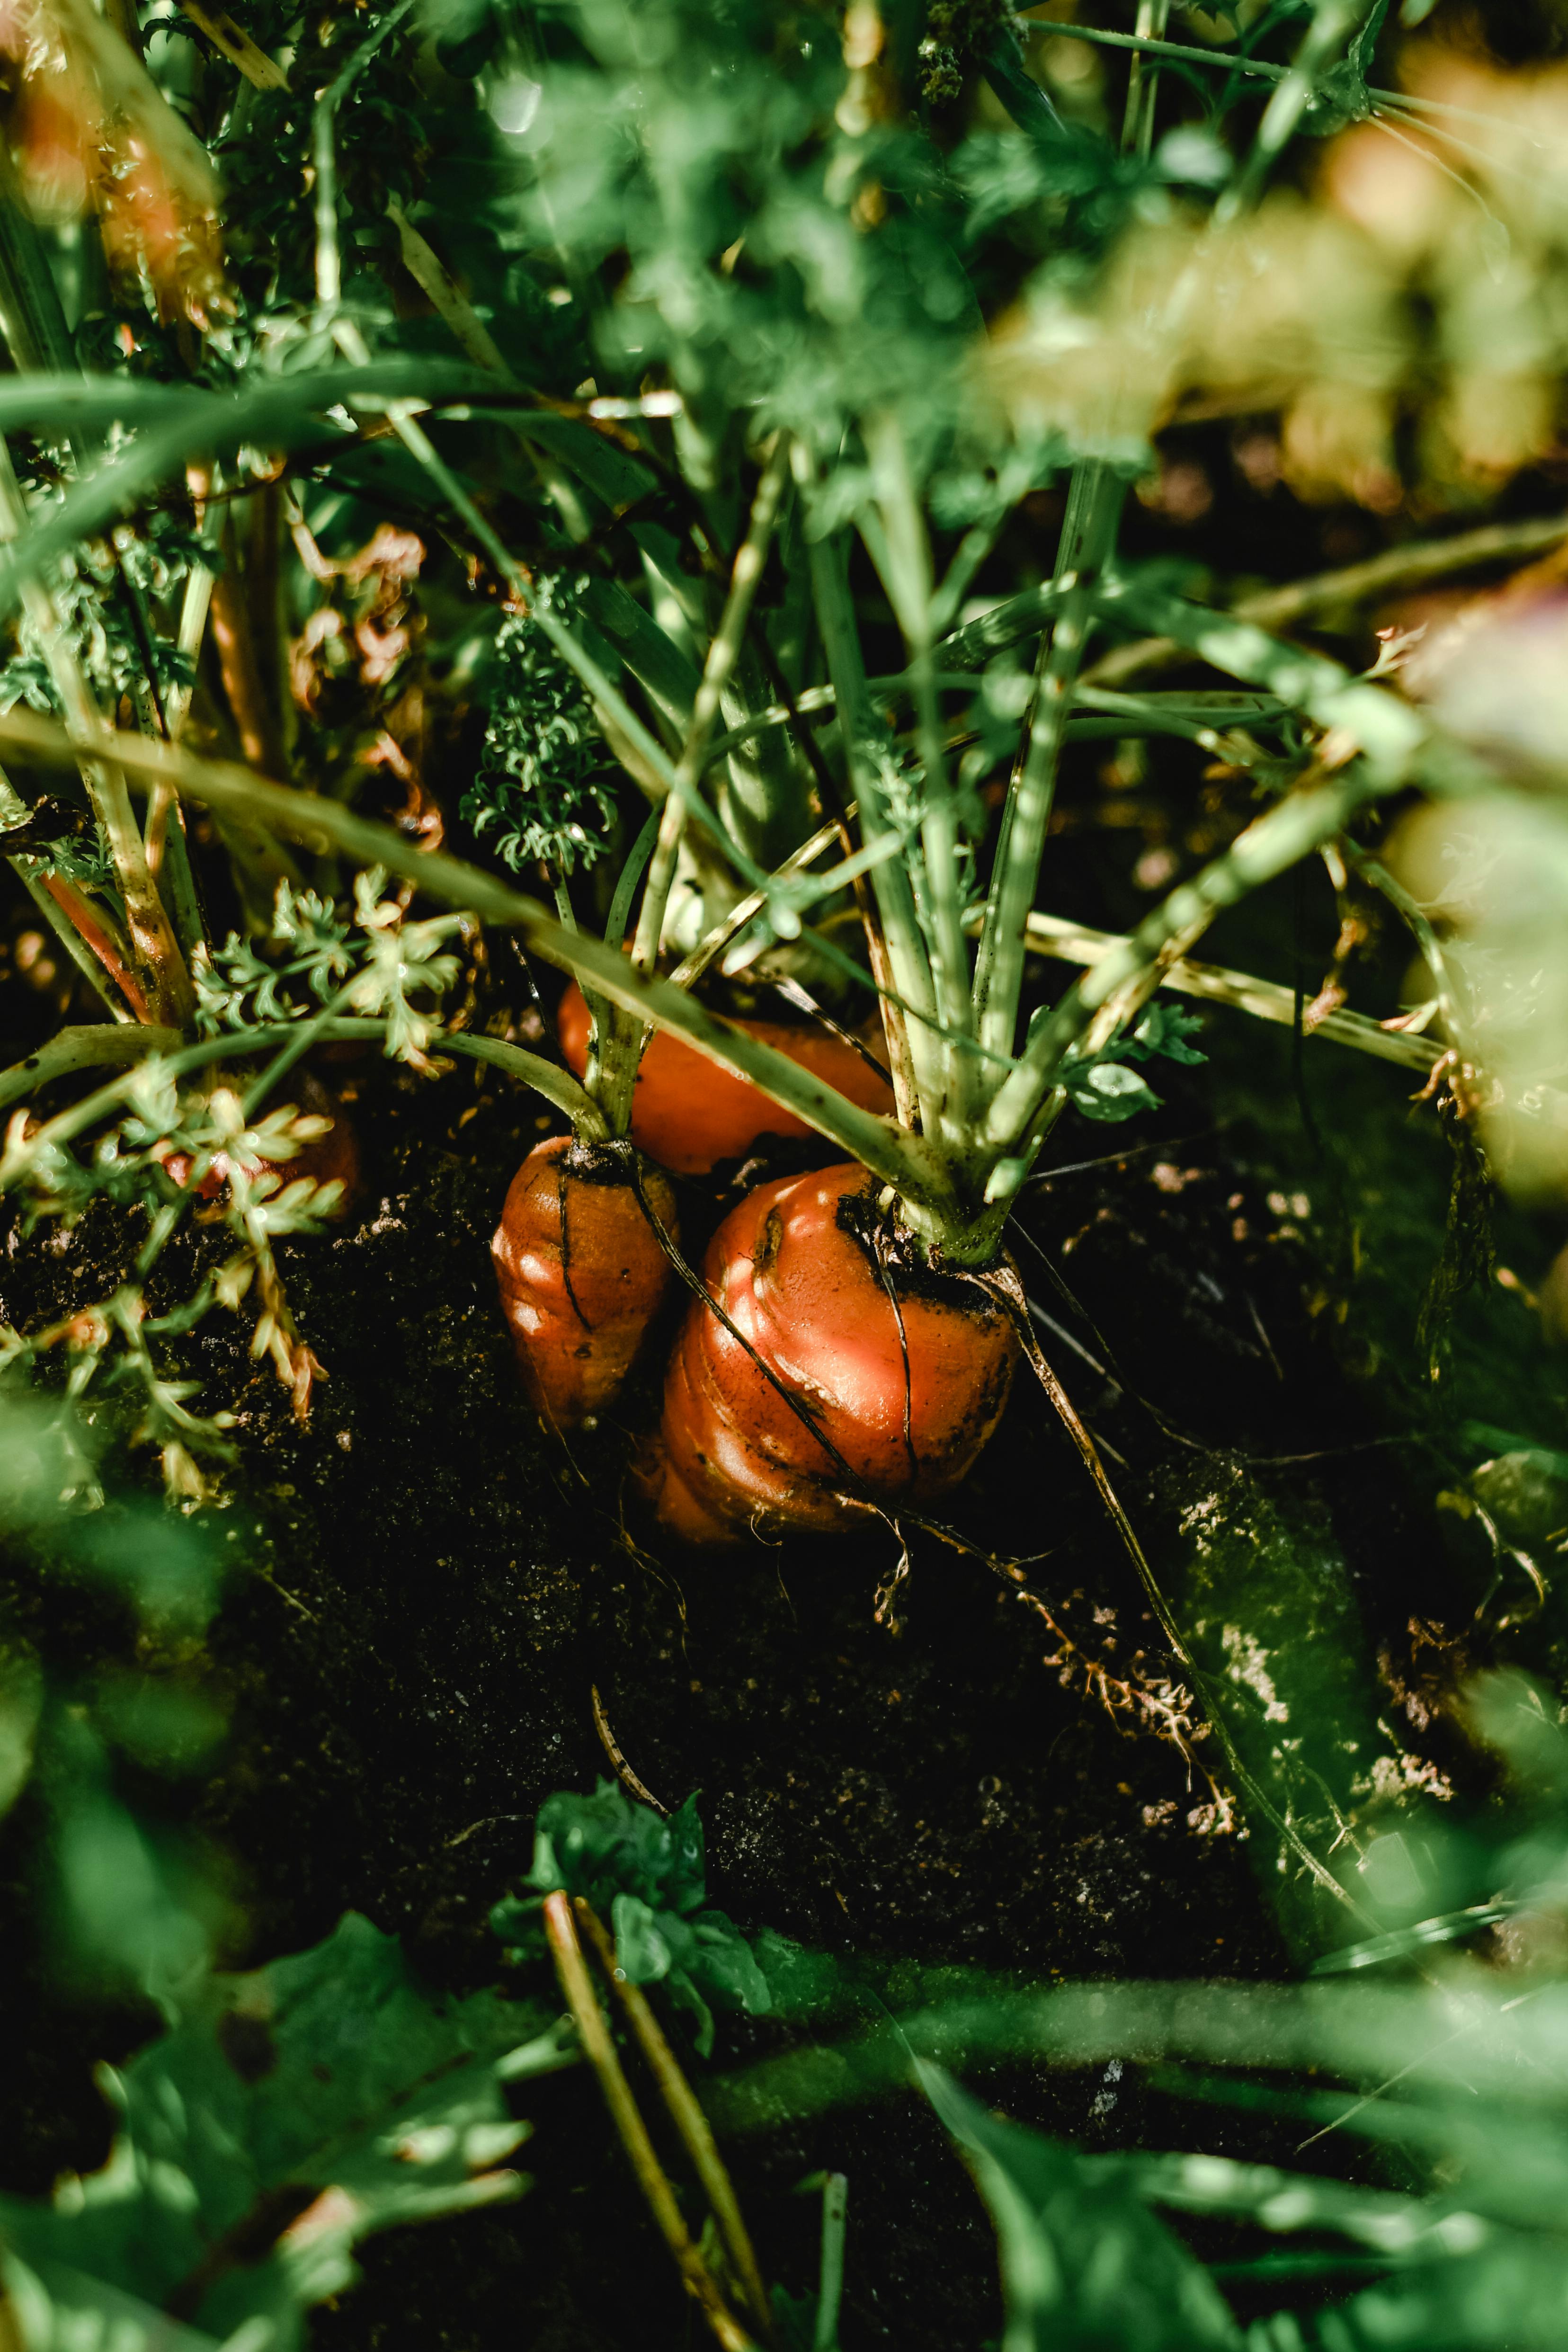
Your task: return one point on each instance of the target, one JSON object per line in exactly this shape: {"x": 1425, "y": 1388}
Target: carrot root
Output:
{"x": 581, "y": 1273}
{"x": 897, "y": 1375}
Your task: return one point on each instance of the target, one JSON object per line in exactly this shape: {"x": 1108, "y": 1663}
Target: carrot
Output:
{"x": 689, "y": 1114}
{"x": 580, "y": 1272}
{"x": 902, "y": 1369}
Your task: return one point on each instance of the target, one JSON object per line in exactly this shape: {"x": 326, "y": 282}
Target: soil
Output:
{"x": 436, "y": 1591}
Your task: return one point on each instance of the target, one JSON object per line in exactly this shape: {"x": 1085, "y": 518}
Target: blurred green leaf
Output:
{"x": 1085, "y": 2265}
{"x": 291, "y": 2113}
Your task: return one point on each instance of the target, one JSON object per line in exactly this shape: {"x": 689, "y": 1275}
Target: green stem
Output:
{"x": 1420, "y": 930}
{"x": 1390, "y": 734}
{"x": 1270, "y": 844}
{"x": 161, "y": 966}
{"x": 830, "y": 2274}
{"x": 323, "y": 124}
{"x": 1266, "y": 1000}
{"x": 420, "y": 446}
{"x": 95, "y": 1044}
{"x": 1258, "y": 68}
{"x": 902, "y": 552}
{"x": 1331, "y": 21}
{"x": 82, "y": 1048}
{"x": 722, "y": 653}
{"x": 863, "y": 743}
{"x": 1088, "y": 532}
{"x": 1137, "y": 121}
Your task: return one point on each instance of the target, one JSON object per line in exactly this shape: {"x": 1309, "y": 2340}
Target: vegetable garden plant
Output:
{"x": 699, "y": 460}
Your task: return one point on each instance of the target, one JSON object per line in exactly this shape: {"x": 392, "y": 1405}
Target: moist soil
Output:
{"x": 432, "y": 1592}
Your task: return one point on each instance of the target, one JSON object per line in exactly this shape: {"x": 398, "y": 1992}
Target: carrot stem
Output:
{"x": 600, "y": 2050}
{"x": 898, "y": 1158}
{"x": 72, "y": 940}
{"x": 1054, "y": 935}
{"x": 98, "y": 1042}
{"x": 717, "y": 670}
{"x": 162, "y": 978}
{"x": 95, "y": 934}
{"x": 686, "y": 2114}
{"x": 901, "y": 548}
{"x": 908, "y": 963}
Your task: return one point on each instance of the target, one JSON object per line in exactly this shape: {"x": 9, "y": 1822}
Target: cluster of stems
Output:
{"x": 731, "y": 757}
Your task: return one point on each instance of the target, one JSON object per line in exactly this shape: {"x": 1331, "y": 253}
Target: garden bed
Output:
{"x": 428, "y": 1592}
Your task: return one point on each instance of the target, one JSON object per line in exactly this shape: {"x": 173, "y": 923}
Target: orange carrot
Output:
{"x": 580, "y": 1272}
{"x": 903, "y": 1370}
{"x": 689, "y": 1114}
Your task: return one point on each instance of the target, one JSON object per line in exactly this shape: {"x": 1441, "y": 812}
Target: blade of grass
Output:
{"x": 600, "y": 2050}
{"x": 686, "y": 2114}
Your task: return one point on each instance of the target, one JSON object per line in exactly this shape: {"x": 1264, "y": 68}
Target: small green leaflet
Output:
{"x": 649, "y": 1876}
{"x": 1104, "y": 1086}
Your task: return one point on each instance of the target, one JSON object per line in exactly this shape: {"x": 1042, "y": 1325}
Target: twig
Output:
{"x": 686, "y": 2114}
{"x": 600, "y": 2050}
{"x": 622, "y": 1769}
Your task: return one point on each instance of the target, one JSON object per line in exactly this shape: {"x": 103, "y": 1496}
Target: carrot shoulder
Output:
{"x": 689, "y": 1114}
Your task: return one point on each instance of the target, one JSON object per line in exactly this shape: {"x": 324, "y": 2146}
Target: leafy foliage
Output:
{"x": 288, "y": 2115}
{"x": 372, "y": 975}
{"x": 543, "y": 788}
{"x": 1105, "y": 1085}
{"x": 1084, "y": 2262}
{"x": 647, "y": 1875}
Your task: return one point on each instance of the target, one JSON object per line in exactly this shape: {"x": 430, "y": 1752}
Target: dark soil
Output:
{"x": 432, "y": 1592}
